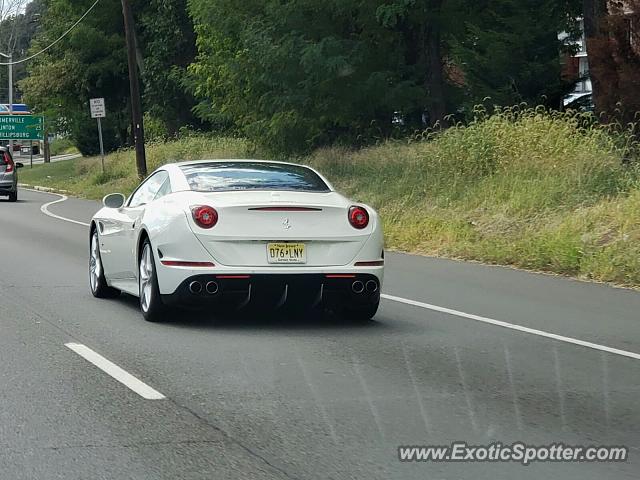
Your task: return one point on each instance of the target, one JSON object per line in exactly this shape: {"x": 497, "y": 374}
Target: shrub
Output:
{"x": 60, "y": 146}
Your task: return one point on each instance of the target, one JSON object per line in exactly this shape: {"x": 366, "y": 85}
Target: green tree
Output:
{"x": 18, "y": 25}
{"x": 90, "y": 62}
{"x": 295, "y": 75}
{"x": 167, "y": 41}
{"x": 509, "y": 50}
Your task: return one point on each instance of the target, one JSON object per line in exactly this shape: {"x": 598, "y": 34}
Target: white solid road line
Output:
{"x": 519, "y": 328}
{"x": 110, "y": 368}
{"x": 63, "y": 198}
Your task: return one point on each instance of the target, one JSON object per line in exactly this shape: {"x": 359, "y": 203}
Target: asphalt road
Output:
{"x": 301, "y": 398}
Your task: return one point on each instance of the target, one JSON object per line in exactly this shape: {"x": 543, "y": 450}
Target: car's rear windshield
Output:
{"x": 228, "y": 176}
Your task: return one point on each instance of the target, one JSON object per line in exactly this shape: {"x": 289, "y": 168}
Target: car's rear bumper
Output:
{"x": 7, "y": 186}
{"x": 277, "y": 289}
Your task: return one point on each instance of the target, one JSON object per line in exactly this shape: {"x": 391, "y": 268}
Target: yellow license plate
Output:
{"x": 286, "y": 253}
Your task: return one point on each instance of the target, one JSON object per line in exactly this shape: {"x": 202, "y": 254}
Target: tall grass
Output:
{"x": 524, "y": 187}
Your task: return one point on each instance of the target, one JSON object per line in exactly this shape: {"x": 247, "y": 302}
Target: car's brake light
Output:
{"x": 204, "y": 216}
{"x": 285, "y": 209}
{"x": 358, "y": 217}
{"x": 8, "y": 161}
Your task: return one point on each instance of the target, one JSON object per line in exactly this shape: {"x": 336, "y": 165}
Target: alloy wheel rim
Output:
{"x": 146, "y": 274}
{"x": 95, "y": 265}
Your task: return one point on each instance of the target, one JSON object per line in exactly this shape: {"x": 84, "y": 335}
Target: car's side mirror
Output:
{"x": 114, "y": 200}
{"x": 19, "y": 165}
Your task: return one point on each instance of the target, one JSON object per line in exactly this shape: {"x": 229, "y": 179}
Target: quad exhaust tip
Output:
{"x": 195, "y": 288}
{"x": 212, "y": 288}
{"x": 372, "y": 286}
{"x": 357, "y": 287}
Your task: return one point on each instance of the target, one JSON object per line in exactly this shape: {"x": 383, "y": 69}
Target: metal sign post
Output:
{"x": 98, "y": 111}
{"x": 101, "y": 144}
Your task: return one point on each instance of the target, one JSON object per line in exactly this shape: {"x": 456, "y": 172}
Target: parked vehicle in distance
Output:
{"x": 29, "y": 149}
{"x": 237, "y": 233}
{"x": 9, "y": 175}
{"x": 582, "y": 103}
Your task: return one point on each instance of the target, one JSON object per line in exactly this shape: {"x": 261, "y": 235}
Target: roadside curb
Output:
{"x": 42, "y": 189}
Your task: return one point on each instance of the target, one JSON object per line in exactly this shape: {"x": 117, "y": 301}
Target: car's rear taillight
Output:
{"x": 204, "y": 216}
{"x": 8, "y": 161}
{"x": 358, "y": 217}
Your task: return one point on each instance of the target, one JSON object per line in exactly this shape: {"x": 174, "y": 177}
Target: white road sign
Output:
{"x": 97, "y": 108}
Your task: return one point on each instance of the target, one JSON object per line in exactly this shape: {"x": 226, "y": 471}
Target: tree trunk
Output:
{"x": 434, "y": 84}
{"x": 599, "y": 54}
{"x": 45, "y": 145}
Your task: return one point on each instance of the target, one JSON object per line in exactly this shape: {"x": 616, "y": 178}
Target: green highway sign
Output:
{"x": 21, "y": 127}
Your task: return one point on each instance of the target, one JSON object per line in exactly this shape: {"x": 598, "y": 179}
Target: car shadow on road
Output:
{"x": 267, "y": 320}
{"x": 262, "y": 319}
{"x": 255, "y": 319}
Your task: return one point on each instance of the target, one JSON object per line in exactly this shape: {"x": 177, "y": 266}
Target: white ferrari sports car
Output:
{"x": 234, "y": 234}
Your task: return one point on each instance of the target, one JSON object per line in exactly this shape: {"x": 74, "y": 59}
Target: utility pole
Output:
{"x": 134, "y": 85}
{"x": 9, "y": 57}
{"x": 11, "y": 94}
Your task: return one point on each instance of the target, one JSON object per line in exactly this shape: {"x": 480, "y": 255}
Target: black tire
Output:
{"x": 153, "y": 310}
{"x": 361, "y": 314}
{"x": 98, "y": 283}
{"x": 13, "y": 196}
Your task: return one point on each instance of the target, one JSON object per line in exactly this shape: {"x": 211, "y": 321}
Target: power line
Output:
{"x": 56, "y": 41}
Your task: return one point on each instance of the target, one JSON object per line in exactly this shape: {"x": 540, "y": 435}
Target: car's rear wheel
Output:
{"x": 97, "y": 280}
{"x": 361, "y": 314}
{"x": 13, "y": 196}
{"x": 151, "y": 304}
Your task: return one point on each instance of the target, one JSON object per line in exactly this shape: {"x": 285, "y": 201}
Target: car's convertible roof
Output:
{"x": 235, "y": 160}
{"x": 197, "y": 173}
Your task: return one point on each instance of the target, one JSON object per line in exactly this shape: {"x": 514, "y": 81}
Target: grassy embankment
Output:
{"x": 536, "y": 191}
